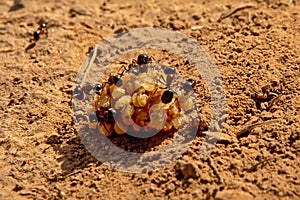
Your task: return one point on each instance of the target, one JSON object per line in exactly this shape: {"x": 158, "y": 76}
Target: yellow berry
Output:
{"x": 188, "y": 104}
{"x": 118, "y": 92}
{"x": 124, "y": 100}
{"x": 176, "y": 122}
{"x": 148, "y": 86}
{"x": 142, "y": 100}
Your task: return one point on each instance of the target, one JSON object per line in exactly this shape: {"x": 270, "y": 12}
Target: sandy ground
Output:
{"x": 255, "y": 45}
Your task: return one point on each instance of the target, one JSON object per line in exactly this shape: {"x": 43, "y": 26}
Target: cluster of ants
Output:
{"x": 137, "y": 66}
{"x": 108, "y": 114}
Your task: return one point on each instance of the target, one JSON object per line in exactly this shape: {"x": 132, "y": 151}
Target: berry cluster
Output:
{"x": 140, "y": 99}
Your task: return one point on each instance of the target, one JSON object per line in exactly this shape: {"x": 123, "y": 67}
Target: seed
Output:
{"x": 128, "y": 109}
{"x": 148, "y": 87}
{"x": 118, "y": 92}
{"x": 124, "y": 100}
{"x": 176, "y": 122}
{"x": 134, "y": 100}
{"x": 142, "y": 100}
{"x": 187, "y": 105}
{"x": 142, "y": 116}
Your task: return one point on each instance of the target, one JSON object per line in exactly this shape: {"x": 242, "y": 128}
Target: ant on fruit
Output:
{"x": 189, "y": 85}
{"x": 167, "y": 96}
{"x": 170, "y": 72}
{"x": 79, "y": 91}
{"x": 41, "y": 30}
{"x": 112, "y": 80}
{"x": 144, "y": 59}
{"x": 102, "y": 116}
{"x": 138, "y": 66}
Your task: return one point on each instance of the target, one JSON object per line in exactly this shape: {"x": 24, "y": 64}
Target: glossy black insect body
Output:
{"x": 36, "y": 35}
{"x": 167, "y": 96}
{"x": 104, "y": 115}
{"x": 169, "y": 70}
{"x": 93, "y": 117}
{"x": 41, "y": 30}
{"x": 189, "y": 85}
{"x": 111, "y": 115}
{"x": 97, "y": 89}
{"x": 43, "y": 25}
{"x": 78, "y": 93}
{"x": 143, "y": 59}
{"x": 115, "y": 80}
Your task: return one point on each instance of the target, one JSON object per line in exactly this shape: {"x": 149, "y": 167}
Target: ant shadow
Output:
{"x": 86, "y": 147}
{"x": 30, "y": 46}
{"x": 16, "y": 6}
{"x": 74, "y": 155}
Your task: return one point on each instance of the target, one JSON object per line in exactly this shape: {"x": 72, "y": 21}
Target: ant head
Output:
{"x": 112, "y": 115}
{"x": 97, "y": 88}
{"x": 142, "y": 59}
{"x": 167, "y": 96}
{"x": 189, "y": 85}
{"x": 169, "y": 70}
{"x": 36, "y": 35}
{"x": 93, "y": 117}
{"x": 117, "y": 80}
{"x": 43, "y": 25}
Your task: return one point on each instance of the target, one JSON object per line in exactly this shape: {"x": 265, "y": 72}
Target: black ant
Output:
{"x": 112, "y": 80}
{"x": 170, "y": 72}
{"x": 189, "y": 85}
{"x": 97, "y": 89}
{"x": 167, "y": 96}
{"x": 79, "y": 91}
{"x": 137, "y": 66}
{"x": 103, "y": 115}
{"x": 143, "y": 59}
{"x": 41, "y": 30}
{"x": 106, "y": 115}
{"x": 115, "y": 80}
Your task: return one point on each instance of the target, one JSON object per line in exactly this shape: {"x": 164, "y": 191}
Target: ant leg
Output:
{"x": 134, "y": 61}
{"x": 123, "y": 68}
{"x": 106, "y": 131}
{"x": 46, "y": 32}
{"x": 152, "y": 58}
